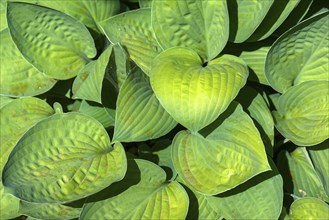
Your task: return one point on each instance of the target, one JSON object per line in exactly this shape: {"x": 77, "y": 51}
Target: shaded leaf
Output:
{"x": 139, "y": 115}
{"x": 53, "y": 42}
{"x": 300, "y": 55}
{"x": 145, "y": 3}
{"x": 202, "y": 26}
{"x": 195, "y": 95}
{"x": 74, "y": 162}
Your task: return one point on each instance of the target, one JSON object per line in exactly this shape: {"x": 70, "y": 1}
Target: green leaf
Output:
{"x": 53, "y": 42}
{"x": 139, "y": 115}
{"x": 309, "y": 208}
{"x": 259, "y": 198}
{"x": 145, "y": 3}
{"x": 48, "y": 211}
{"x": 306, "y": 182}
{"x": 3, "y": 18}
{"x": 74, "y": 161}
{"x": 202, "y": 26}
{"x": 256, "y": 104}
{"x": 102, "y": 114}
{"x": 319, "y": 155}
{"x": 17, "y": 76}
{"x": 4, "y": 100}
{"x": 245, "y": 17}
{"x": 195, "y": 95}
{"x": 133, "y": 30}
{"x": 255, "y": 59}
{"x": 142, "y": 194}
{"x": 9, "y": 205}
{"x": 88, "y": 83}
{"x": 230, "y": 155}
{"x": 278, "y": 12}
{"x": 302, "y": 113}
{"x": 292, "y": 61}
{"x": 90, "y": 13}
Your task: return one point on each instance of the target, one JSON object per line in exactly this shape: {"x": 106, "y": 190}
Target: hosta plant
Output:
{"x": 164, "y": 109}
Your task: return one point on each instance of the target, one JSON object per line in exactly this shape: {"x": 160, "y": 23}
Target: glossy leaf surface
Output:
{"x": 302, "y": 113}
{"x": 202, "y": 26}
{"x": 210, "y": 165}
{"x": 134, "y": 31}
{"x": 53, "y": 42}
{"x": 300, "y": 55}
{"x": 139, "y": 115}
{"x": 74, "y": 162}
{"x": 195, "y": 95}
{"x": 144, "y": 194}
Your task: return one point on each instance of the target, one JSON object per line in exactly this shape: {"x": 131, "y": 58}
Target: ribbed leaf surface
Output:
{"x": 309, "y": 208}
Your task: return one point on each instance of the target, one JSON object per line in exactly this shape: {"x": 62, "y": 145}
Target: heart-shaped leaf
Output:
{"x": 302, "y": 113}
{"x": 202, "y": 26}
{"x": 53, "y": 42}
{"x": 142, "y": 194}
{"x": 134, "y": 31}
{"x": 139, "y": 115}
{"x": 88, "y": 83}
{"x": 230, "y": 155}
{"x": 306, "y": 181}
{"x": 245, "y": 17}
{"x": 17, "y": 76}
{"x": 73, "y": 162}
{"x": 292, "y": 61}
{"x": 192, "y": 94}
{"x": 309, "y": 208}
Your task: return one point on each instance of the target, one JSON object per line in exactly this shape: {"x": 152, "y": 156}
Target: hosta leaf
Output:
{"x": 300, "y": 55}
{"x": 258, "y": 108}
{"x": 53, "y": 42}
{"x": 75, "y": 161}
{"x": 245, "y": 17}
{"x": 4, "y": 100}
{"x": 306, "y": 182}
{"x": 133, "y": 30}
{"x": 90, "y": 13}
{"x": 192, "y": 94}
{"x": 259, "y": 198}
{"x": 227, "y": 157}
{"x": 309, "y": 208}
{"x": 139, "y": 115}
{"x": 202, "y": 26}
{"x": 302, "y": 113}
{"x": 3, "y": 18}
{"x": 145, "y": 3}
{"x": 319, "y": 155}
{"x": 88, "y": 84}
{"x": 17, "y": 76}
{"x": 142, "y": 194}
{"x": 102, "y": 114}
{"x": 278, "y": 12}
{"x": 48, "y": 211}
{"x": 255, "y": 59}
{"x": 9, "y": 205}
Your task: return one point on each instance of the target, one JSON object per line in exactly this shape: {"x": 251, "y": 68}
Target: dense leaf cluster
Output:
{"x": 164, "y": 109}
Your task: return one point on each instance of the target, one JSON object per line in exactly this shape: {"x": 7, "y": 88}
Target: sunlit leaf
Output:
{"x": 17, "y": 76}
{"x": 142, "y": 194}
{"x": 230, "y": 155}
{"x": 4, "y": 100}
{"x": 74, "y": 161}
{"x": 278, "y": 12}
{"x": 134, "y": 32}
{"x": 202, "y": 26}
{"x": 48, "y": 211}
{"x": 139, "y": 115}
{"x": 319, "y": 155}
{"x": 300, "y": 55}
{"x": 192, "y": 94}
{"x": 309, "y": 208}
{"x": 302, "y": 113}
{"x": 53, "y": 42}
{"x": 9, "y": 205}
{"x": 306, "y": 181}
{"x": 102, "y": 114}
{"x": 245, "y": 17}
{"x": 88, "y": 83}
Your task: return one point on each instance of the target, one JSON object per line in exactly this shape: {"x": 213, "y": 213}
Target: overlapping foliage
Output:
{"x": 178, "y": 109}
